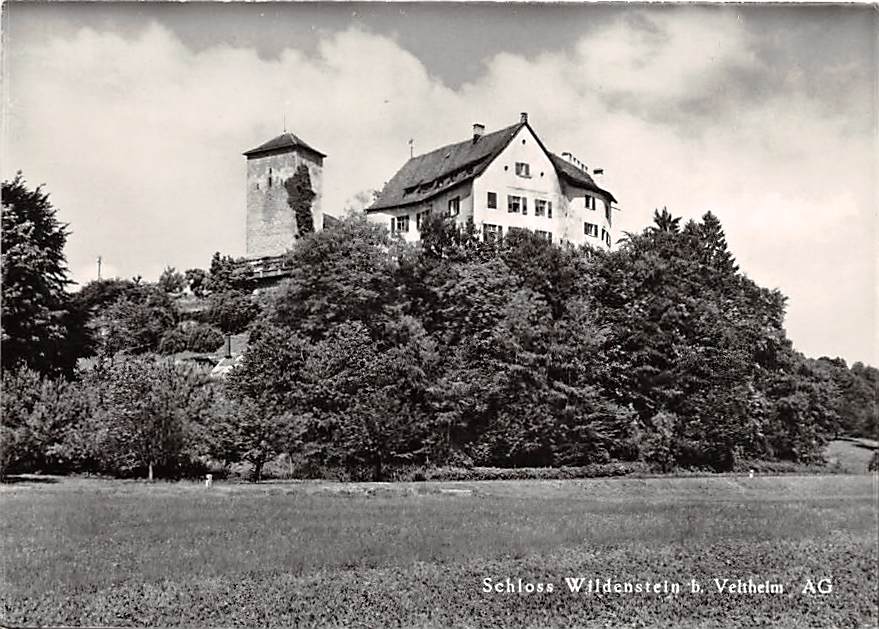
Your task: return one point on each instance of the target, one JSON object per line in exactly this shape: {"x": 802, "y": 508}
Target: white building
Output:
{"x": 502, "y": 180}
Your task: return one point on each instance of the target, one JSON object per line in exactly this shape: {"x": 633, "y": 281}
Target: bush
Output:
{"x": 174, "y": 341}
{"x": 204, "y": 338}
{"x": 38, "y": 414}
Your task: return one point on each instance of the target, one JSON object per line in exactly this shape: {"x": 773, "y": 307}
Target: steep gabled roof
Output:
{"x": 576, "y": 176}
{"x": 426, "y": 176}
{"x": 284, "y": 141}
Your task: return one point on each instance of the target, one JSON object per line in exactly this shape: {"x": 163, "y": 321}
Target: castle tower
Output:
{"x": 271, "y": 223}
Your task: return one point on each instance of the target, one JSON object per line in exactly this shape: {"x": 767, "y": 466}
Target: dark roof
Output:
{"x": 283, "y": 141}
{"x": 426, "y": 176}
{"x": 576, "y": 176}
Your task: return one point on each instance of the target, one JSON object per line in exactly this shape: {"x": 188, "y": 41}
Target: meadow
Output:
{"x": 312, "y": 553}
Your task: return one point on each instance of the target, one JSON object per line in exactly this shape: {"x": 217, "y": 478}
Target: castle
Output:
{"x": 502, "y": 181}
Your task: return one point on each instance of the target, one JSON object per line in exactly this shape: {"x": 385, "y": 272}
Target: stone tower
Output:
{"x": 271, "y": 223}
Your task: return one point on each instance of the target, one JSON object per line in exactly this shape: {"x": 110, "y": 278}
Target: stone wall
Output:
{"x": 271, "y": 224}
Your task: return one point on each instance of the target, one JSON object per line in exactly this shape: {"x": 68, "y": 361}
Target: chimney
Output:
{"x": 478, "y": 130}
{"x": 567, "y": 156}
{"x": 228, "y": 346}
{"x": 523, "y": 117}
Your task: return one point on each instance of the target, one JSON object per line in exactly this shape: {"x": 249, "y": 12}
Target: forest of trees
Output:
{"x": 377, "y": 354}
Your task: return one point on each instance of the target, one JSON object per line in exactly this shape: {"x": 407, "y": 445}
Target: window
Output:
{"x": 491, "y": 233}
{"x": 607, "y": 212}
{"x": 492, "y": 200}
{"x": 455, "y": 206}
{"x": 590, "y": 202}
{"x": 542, "y": 207}
{"x": 607, "y": 238}
{"x": 514, "y": 204}
{"x": 400, "y": 223}
{"x": 545, "y": 235}
{"x": 590, "y": 229}
{"x": 270, "y": 177}
{"x": 523, "y": 169}
{"x": 524, "y": 205}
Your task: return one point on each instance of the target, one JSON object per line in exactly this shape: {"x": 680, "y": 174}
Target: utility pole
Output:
{"x": 411, "y": 148}
{"x": 99, "y": 267}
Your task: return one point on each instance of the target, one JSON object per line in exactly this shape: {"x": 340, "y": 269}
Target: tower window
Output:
{"x": 590, "y": 229}
{"x": 523, "y": 169}
{"x": 589, "y": 202}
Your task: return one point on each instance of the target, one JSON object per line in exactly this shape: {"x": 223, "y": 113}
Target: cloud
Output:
{"x": 139, "y": 140}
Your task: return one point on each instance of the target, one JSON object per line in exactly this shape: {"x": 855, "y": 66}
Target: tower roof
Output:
{"x": 286, "y": 140}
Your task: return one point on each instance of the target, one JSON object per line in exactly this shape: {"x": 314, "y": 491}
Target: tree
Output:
{"x": 226, "y": 273}
{"x": 137, "y": 322}
{"x": 231, "y": 311}
{"x": 663, "y": 221}
{"x": 149, "y": 416}
{"x": 41, "y": 328}
{"x": 197, "y": 279}
{"x": 300, "y": 197}
{"x": 41, "y": 423}
{"x": 171, "y": 281}
{"x": 345, "y": 274}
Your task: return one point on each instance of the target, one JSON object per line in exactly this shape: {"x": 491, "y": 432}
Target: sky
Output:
{"x": 135, "y": 115}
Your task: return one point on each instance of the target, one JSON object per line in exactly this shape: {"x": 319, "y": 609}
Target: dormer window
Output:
{"x": 589, "y": 202}
{"x": 523, "y": 169}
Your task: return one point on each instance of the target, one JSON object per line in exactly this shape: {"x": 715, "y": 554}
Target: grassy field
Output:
{"x": 416, "y": 555}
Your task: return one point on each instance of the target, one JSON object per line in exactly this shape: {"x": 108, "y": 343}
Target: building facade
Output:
{"x": 502, "y": 181}
{"x": 271, "y": 223}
